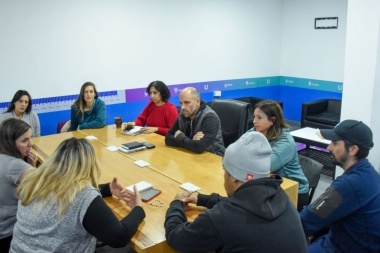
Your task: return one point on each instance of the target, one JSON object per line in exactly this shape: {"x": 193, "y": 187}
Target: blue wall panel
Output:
{"x": 129, "y": 111}
{"x": 50, "y": 120}
{"x": 270, "y": 92}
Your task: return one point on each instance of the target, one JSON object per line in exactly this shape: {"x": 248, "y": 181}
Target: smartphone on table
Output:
{"x": 148, "y": 145}
{"x": 149, "y": 194}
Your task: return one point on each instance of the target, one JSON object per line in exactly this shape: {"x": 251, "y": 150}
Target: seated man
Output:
{"x": 257, "y": 216}
{"x": 197, "y": 128}
{"x": 350, "y": 207}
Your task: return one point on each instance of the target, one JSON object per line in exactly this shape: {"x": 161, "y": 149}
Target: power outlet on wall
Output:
{"x": 217, "y": 93}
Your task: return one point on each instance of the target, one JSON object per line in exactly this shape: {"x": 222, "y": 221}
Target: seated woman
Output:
{"x": 268, "y": 119}
{"x": 61, "y": 210}
{"x": 21, "y": 108}
{"x": 88, "y": 111}
{"x": 16, "y": 160}
{"x": 159, "y": 115}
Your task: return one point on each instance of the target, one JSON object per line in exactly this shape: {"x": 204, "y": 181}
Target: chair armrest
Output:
{"x": 334, "y": 106}
{"x": 311, "y": 108}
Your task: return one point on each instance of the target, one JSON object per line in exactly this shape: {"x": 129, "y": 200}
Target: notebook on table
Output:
{"x": 132, "y": 145}
{"x": 134, "y": 131}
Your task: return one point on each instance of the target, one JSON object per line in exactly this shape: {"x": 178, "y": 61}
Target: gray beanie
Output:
{"x": 249, "y": 157}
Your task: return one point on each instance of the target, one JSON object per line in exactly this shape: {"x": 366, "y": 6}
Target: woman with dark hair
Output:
{"x": 268, "y": 119}
{"x": 21, "y": 108}
{"x": 159, "y": 115}
{"x": 88, "y": 111}
{"x": 16, "y": 160}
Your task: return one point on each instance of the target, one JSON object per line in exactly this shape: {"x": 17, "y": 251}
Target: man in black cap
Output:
{"x": 350, "y": 207}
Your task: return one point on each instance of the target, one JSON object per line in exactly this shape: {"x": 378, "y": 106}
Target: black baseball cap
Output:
{"x": 352, "y": 130}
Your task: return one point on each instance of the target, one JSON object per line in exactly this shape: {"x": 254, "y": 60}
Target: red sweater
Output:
{"x": 161, "y": 117}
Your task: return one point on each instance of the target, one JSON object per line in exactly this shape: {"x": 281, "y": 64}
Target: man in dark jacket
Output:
{"x": 350, "y": 207}
{"x": 197, "y": 127}
{"x": 257, "y": 216}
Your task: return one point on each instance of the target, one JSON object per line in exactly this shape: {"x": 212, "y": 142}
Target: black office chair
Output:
{"x": 233, "y": 117}
{"x": 312, "y": 170}
{"x": 322, "y": 113}
{"x": 253, "y": 101}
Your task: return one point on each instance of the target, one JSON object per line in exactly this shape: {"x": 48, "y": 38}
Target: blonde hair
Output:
{"x": 72, "y": 167}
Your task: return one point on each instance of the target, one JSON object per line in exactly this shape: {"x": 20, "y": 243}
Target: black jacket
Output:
{"x": 258, "y": 217}
{"x": 206, "y": 121}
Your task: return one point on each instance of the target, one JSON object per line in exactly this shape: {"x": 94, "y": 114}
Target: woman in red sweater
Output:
{"x": 159, "y": 115}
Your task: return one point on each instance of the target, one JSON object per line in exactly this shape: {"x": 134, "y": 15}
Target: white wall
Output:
{"x": 313, "y": 53}
{"x": 52, "y": 47}
{"x": 362, "y": 69}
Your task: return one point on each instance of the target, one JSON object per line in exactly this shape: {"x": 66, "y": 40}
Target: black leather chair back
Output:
{"x": 312, "y": 170}
{"x": 253, "y": 101}
{"x": 233, "y": 117}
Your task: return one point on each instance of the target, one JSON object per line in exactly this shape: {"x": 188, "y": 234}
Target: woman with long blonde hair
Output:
{"x": 61, "y": 209}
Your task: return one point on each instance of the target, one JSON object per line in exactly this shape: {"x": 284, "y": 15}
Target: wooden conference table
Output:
{"x": 169, "y": 167}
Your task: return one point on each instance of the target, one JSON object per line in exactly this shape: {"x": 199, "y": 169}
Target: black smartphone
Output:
{"x": 148, "y": 145}
{"x": 149, "y": 194}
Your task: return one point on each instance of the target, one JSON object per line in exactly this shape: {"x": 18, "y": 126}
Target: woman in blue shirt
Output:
{"x": 88, "y": 111}
{"x": 268, "y": 119}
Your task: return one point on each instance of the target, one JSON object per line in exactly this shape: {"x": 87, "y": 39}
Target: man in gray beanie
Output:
{"x": 257, "y": 215}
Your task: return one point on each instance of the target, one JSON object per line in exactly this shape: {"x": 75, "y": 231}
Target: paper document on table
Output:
{"x": 318, "y": 133}
{"x": 91, "y": 137}
{"x": 141, "y": 163}
{"x": 190, "y": 187}
{"x": 112, "y": 148}
{"x": 141, "y": 186}
{"x": 134, "y": 131}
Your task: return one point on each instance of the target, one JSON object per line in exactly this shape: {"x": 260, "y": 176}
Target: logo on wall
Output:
{"x": 175, "y": 89}
{"x": 228, "y": 85}
{"x": 248, "y": 83}
{"x": 268, "y": 81}
{"x": 313, "y": 84}
{"x": 340, "y": 87}
{"x": 145, "y": 94}
{"x": 205, "y": 86}
{"x": 288, "y": 81}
